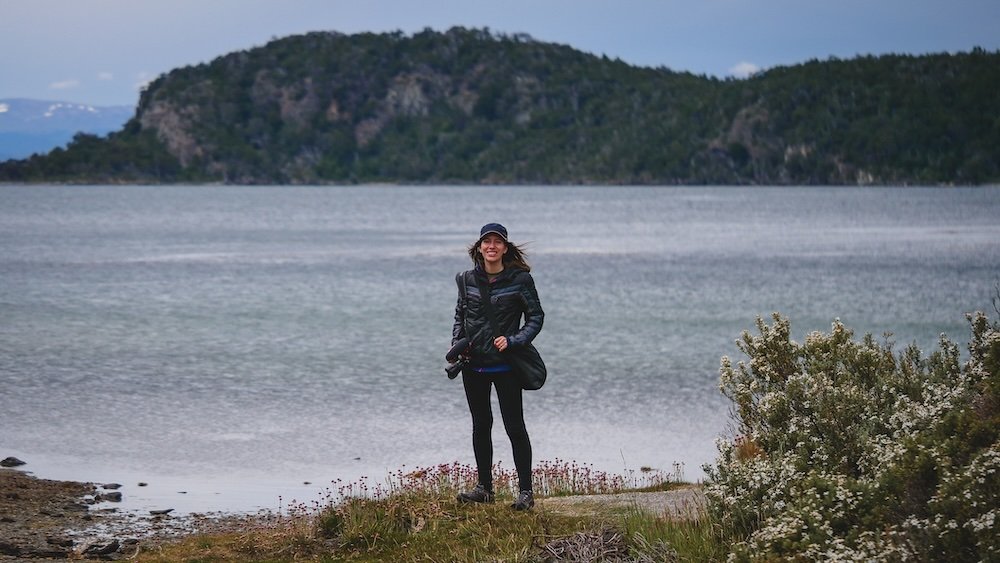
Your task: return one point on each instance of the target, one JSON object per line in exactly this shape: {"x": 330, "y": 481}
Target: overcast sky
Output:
{"x": 102, "y": 51}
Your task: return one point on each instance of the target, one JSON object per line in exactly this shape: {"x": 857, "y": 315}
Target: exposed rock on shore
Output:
{"x": 10, "y": 462}
{"x": 41, "y": 519}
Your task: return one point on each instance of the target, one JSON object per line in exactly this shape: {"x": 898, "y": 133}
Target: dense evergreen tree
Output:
{"x": 470, "y": 106}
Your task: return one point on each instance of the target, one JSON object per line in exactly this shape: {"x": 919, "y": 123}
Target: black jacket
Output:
{"x": 513, "y": 295}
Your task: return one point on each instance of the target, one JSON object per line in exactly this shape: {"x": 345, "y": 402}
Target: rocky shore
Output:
{"x": 42, "y": 519}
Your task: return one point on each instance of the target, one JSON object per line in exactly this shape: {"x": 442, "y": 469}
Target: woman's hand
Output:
{"x": 500, "y": 342}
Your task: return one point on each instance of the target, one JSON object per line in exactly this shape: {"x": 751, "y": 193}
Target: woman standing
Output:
{"x": 501, "y": 270}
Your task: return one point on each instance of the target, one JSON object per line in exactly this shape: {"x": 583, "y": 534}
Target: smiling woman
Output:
{"x": 493, "y": 297}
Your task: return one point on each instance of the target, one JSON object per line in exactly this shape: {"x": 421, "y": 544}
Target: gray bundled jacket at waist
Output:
{"x": 513, "y": 295}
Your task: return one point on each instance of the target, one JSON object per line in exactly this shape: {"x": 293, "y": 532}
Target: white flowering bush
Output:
{"x": 845, "y": 450}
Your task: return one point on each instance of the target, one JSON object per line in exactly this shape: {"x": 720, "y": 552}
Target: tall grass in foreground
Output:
{"x": 413, "y": 516}
{"x": 686, "y": 539}
{"x": 550, "y": 478}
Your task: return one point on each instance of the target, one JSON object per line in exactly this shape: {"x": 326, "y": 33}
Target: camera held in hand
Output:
{"x": 457, "y": 358}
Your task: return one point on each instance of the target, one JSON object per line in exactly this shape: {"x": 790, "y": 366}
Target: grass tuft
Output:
{"x": 414, "y": 516}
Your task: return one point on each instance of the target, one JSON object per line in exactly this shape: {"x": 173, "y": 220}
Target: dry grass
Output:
{"x": 414, "y": 516}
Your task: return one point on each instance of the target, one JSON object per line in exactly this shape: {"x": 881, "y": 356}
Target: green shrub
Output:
{"x": 847, "y": 451}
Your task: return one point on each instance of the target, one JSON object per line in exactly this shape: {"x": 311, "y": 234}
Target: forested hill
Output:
{"x": 470, "y": 106}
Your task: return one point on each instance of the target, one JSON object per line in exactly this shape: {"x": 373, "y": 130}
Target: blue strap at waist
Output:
{"x": 498, "y": 368}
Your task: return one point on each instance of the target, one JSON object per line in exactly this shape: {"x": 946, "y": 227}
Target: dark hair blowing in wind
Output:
{"x": 515, "y": 256}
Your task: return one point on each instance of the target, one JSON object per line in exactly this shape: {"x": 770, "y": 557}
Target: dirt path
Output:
{"x": 685, "y": 503}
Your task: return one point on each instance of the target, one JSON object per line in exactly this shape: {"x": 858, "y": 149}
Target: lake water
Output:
{"x": 228, "y": 344}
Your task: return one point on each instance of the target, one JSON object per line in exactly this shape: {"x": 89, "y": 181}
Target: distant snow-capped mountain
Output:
{"x": 38, "y": 126}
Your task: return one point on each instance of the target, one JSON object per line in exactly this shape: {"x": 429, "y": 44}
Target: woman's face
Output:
{"x": 492, "y": 247}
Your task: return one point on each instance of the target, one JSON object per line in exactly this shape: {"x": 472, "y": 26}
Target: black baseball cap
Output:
{"x": 495, "y": 229}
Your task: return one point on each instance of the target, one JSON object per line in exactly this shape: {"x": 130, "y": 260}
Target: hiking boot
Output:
{"x": 524, "y": 501}
{"x": 478, "y": 494}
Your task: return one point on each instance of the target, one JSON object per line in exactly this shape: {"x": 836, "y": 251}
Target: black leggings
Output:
{"x": 477, "y": 391}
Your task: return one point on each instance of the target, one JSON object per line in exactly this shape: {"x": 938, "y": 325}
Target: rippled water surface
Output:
{"x": 234, "y": 343}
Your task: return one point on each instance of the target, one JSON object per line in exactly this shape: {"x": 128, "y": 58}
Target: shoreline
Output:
{"x": 46, "y": 519}
{"x": 183, "y": 490}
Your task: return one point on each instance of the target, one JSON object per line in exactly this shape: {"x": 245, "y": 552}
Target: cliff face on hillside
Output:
{"x": 467, "y": 106}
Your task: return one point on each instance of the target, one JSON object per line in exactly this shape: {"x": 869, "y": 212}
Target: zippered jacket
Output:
{"x": 513, "y": 296}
